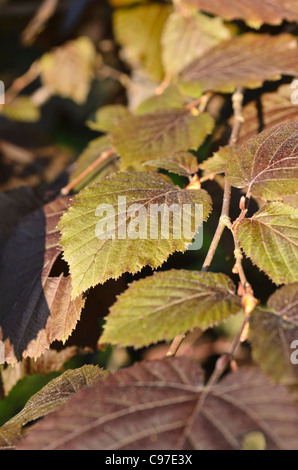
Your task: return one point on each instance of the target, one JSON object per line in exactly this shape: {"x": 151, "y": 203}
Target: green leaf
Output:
{"x": 50, "y": 398}
{"x": 171, "y": 98}
{"x": 93, "y": 260}
{"x": 108, "y": 117}
{"x": 185, "y": 38}
{"x": 138, "y": 30}
{"x": 270, "y": 239}
{"x": 159, "y": 134}
{"x": 272, "y": 334}
{"x": 50, "y": 361}
{"x": 218, "y": 162}
{"x": 267, "y": 164}
{"x": 69, "y": 69}
{"x": 158, "y": 405}
{"x": 168, "y": 303}
{"x": 183, "y": 163}
{"x": 21, "y": 109}
{"x": 245, "y": 61}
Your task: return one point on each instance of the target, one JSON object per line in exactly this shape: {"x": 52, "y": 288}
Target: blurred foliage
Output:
{"x": 59, "y": 71}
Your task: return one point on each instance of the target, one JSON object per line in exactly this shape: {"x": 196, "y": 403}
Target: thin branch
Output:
{"x": 103, "y": 156}
{"x": 223, "y": 362}
{"x": 37, "y": 24}
{"x": 175, "y": 345}
{"x": 238, "y": 268}
{"x": 249, "y": 302}
{"x": 201, "y": 102}
{"x": 22, "y": 82}
{"x": 220, "y": 227}
{"x": 237, "y": 100}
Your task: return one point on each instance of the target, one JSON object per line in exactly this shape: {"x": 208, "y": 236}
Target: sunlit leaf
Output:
{"x": 109, "y": 117}
{"x": 218, "y": 162}
{"x": 183, "y": 163}
{"x": 170, "y": 98}
{"x": 246, "y": 61}
{"x": 187, "y": 37}
{"x": 159, "y": 134}
{"x": 95, "y": 257}
{"x": 272, "y": 334}
{"x": 50, "y": 398}
{"x": 138, "y": 30}
{"x": 270, "y": 239}
{"x": 168, "y": 303}
{"x": 21, "y": 108}
{"x": 267, "y": 164}
{"x": 68, "y": 70}
{"x": 257, "y": 13}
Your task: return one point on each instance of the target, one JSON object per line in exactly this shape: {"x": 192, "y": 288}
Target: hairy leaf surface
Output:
{"x": 270, "y": 239}
{"x": 159, "y": 134}
{"x": 267, "y": 164}
{"x": 50, "y": 398}
{"x": 245, "y": 61}
{"x": 36, "y": 308}
{"x": 182, "y": 163}
{"x": 93, "y": 260}
{"x": 272, "y": 334}
{"x": 185, "y": 38}
{"x": 254, "y": 12}
{"x": 155, "y": 405}
{"x": 168, "y": 303}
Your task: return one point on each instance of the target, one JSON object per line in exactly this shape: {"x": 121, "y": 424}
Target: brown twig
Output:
{"x": 22, "y": 82}
{"x": 237, "y": 100}
{"x": 37, "y": 24}
{"x": 175, "y": 345}
{"x": 103, "y": 156}
{"x": 201, "y": 102}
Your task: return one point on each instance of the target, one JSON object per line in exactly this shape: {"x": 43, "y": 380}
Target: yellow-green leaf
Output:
{"x": 270, "y": 239}
{"x": 168, "y": 303}
{"x": 68, "y": 70}
{"x": 138, "y": 30}
{"x": 104, "y": 236}
{"x": 187, "y": 37}
{"x": 159, "y": 134}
